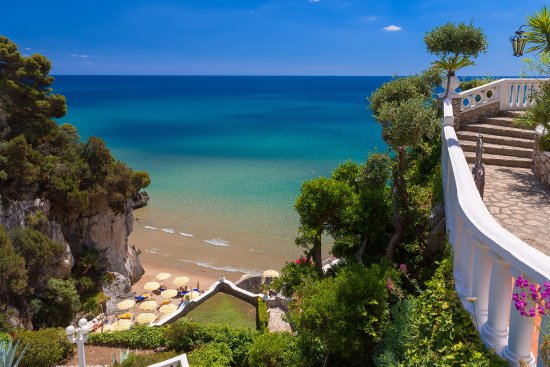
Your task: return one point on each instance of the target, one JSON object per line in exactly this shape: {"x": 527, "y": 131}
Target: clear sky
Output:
{"x": 254, "y": 37}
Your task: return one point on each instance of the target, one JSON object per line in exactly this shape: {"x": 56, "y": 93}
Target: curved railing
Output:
{"x": 487, "y": 257}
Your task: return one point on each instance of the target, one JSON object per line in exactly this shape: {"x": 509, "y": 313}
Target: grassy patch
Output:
{"x": 225, "y": 309}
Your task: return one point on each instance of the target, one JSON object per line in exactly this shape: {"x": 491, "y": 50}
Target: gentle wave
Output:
{"x": 149, "y": 227}
{"x": 152, "y": 251}
{"x": 168, "y": 230}
{"x": 186, "y": 234}
{"x": 217, "y": 242}
{"x": 223, "y": 268}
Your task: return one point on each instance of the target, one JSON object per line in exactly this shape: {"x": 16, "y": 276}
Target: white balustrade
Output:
{"x": 512, "y": 94}
{"x": 485, "y": 252}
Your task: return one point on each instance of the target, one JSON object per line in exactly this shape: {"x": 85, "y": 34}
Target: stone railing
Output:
{"x": 179, "y": 361}
{"x": 489, "y": 99}
{"x": 487, "y": 257}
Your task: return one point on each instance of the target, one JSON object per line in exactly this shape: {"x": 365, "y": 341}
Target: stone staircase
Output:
{"x": 504, "y": 143}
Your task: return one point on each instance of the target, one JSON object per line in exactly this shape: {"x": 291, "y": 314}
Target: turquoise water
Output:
{"x": 227, "y": 155}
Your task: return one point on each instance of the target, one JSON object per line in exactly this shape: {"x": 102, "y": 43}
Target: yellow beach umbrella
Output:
{"x": 146, "y": 318}
{"x": 126, "y": 316}
{"x": 192, "y": 296}
{"x": 148, "y": 305}
{"x": 270, "y": 274}
{"x": 181, "y": 281}
{"x": 122, "y": 325}
{"x": 125, "y": 305}
{"x": 169, "y": 293}
{"x": 163, "y": 276}
{"x": 151, "y": 286}
{"x": 166, "y": 309}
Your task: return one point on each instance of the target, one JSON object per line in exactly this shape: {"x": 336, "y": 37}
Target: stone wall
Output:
{"x": 490, "y": 109}
{"x": 541, "y": 163}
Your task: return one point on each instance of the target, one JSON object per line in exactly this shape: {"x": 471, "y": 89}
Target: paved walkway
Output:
{"x": 520, "y": 203}
{"x": 276, "y": 322}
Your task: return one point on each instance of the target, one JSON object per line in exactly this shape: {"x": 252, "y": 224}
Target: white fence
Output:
{"x": 486, "y": 256}
{"x": 179, "y": 361}
{"x": 512, "y": 94}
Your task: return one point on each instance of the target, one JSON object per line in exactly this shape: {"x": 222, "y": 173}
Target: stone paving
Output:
{"x": 276, "y": 322}
{"x": 520, "y": 203}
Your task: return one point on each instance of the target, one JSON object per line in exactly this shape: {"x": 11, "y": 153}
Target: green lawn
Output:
{"x": 225, "y": 309}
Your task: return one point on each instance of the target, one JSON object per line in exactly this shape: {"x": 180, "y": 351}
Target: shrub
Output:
{"x": 475, "y": 82}
{"x": 46, "y": 347}
{"x": 57, "y": 305}
{"x": 211, "y": 355}
{"x": 184, "y": 335}
{"x": 138, "y": 337}
{"x": 4, "y": 337}
{"x": 273, "y": 350}
{"x": 263, "y": 316}
{"x": 294, "y": 274}
{"x": 135, "y": 360}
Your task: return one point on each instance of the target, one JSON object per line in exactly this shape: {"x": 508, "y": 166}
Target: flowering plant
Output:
{"x": 534, "y": 300}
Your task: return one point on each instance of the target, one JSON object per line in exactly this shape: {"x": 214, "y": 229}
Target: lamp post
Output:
{"x": 518, "y": 42}
{"x": 79, "y": 336}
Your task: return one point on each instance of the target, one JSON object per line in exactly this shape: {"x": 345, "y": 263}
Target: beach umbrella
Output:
{"x": 127, "y": 316}
{"x": 169, "y": 293}
{"x": 125, "y": 305}
{"x": 122, "y": 325}
{"x": 148, "y": 305}
{"x": 163, "y": 276}
{"x": 181, "y": 281}
{"x": 270, "y": 274}
{"x": 146, "y": 318}
{"x": 192, "y": 295}
{"x": 166, "y": 309}
{"x": 151, "y": 286}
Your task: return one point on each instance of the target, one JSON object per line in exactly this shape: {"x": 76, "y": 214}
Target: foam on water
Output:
{"x": 186, "y": 234}
{"x": 168, "y": 230}
{"x": 217, "y": 242}
{"x": 149, "y": 227}
{"x": 222, "y": 268}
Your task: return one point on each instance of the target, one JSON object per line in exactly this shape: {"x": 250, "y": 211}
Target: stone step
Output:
{"x": 504, "y": 121}
{"x": 497, "y": 160}
{"x": 496, "y": 149}
{"x": 496, "y": 139}
{"x": 499, "y": 130}
{"x": 511, "y": 113}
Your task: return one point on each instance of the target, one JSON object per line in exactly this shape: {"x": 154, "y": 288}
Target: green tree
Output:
{"x": 321, "y": 203}
{"x": 13, "y": 275}
{"x": 57, "y": 304}
{"x": 456, "y": 45}
{"x": 538, "y": 31}
{"x": 343, "y": 317}
{"x": 211, "y": 355}
{"x": 274, "y": 350}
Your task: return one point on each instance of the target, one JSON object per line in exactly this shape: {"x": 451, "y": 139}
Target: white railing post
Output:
{"x": 483, "y": 263}
{"x": 504, "y": 95}
{"x": 495, "y": 330}
{"x": 457, "y": 270}
{"x": 466, "y": 264}
{"x": 520, "y": 338}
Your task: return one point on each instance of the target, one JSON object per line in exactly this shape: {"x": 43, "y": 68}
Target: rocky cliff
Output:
{"x": 101, "y": 229}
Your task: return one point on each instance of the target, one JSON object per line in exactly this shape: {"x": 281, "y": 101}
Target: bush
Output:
{"x": 263, "y": 316}
{"x": 273, "y": 350}
{"x": 211, "y": 355}
{"x": 439, "y": 331}
{"x": 138, "y": 337}
{"x": 4, "y": 337}
{"x": 294, "y": 274}
{"x": 46, "y": 347}
{"x": 135, "y": 360}
{"x": 475, "y": 82}
{"x": 57, "y": 305}
{"x": 184, "y": 335}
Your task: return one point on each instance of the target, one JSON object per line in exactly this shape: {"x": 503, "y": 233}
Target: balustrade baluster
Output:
{"x": 483, "y": 264}
{"x": 457, "y": 270}
{"x": 466, "y": 265}
{"x": 495, "y": 330}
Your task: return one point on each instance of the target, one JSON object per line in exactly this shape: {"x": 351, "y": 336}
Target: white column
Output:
{"x": 519, "y": 341}
{"x": 495, "y": 331}
{"x": 504, "y": 95}
{"x": 456, "y": 249}
{"x": 483, "y": 263}
{"x": 466, "y": 265}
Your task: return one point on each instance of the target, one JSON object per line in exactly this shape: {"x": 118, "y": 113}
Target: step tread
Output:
{"x": 496, "y": 146}
{"x": 502, "y": 128}
{"x": 503, "y": 157}
{"x": 465, "y": 133}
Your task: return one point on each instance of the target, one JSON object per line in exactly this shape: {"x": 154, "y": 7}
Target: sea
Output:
{"x": 226, "y": 155}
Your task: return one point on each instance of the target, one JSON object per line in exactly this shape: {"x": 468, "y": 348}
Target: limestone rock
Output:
{"x": 250, "y": 282}
{"x": 141, "y": 199}
{"x": 117, "y": 287}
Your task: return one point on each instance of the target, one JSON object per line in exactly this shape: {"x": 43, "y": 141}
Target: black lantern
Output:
{"x": 518, "y": 42}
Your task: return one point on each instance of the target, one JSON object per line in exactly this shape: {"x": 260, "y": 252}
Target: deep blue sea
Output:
{"x": 226, "y": 155}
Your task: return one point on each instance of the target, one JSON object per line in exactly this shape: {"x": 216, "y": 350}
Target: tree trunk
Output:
{"x": 317, "y": 257}
{"x": 400, "y": 205}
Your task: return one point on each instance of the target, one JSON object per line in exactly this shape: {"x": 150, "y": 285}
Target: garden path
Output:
{"x": 520, "y": 203}
{"x": 276, "y": 322}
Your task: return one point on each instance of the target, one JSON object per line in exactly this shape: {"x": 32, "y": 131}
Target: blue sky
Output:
{"x": 252, "y": 37}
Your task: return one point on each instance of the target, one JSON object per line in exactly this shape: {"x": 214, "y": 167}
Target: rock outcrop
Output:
{"x": 140, "y": 199}
{"x": 101, "y": 229}
{"x": 118, "y": 288}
